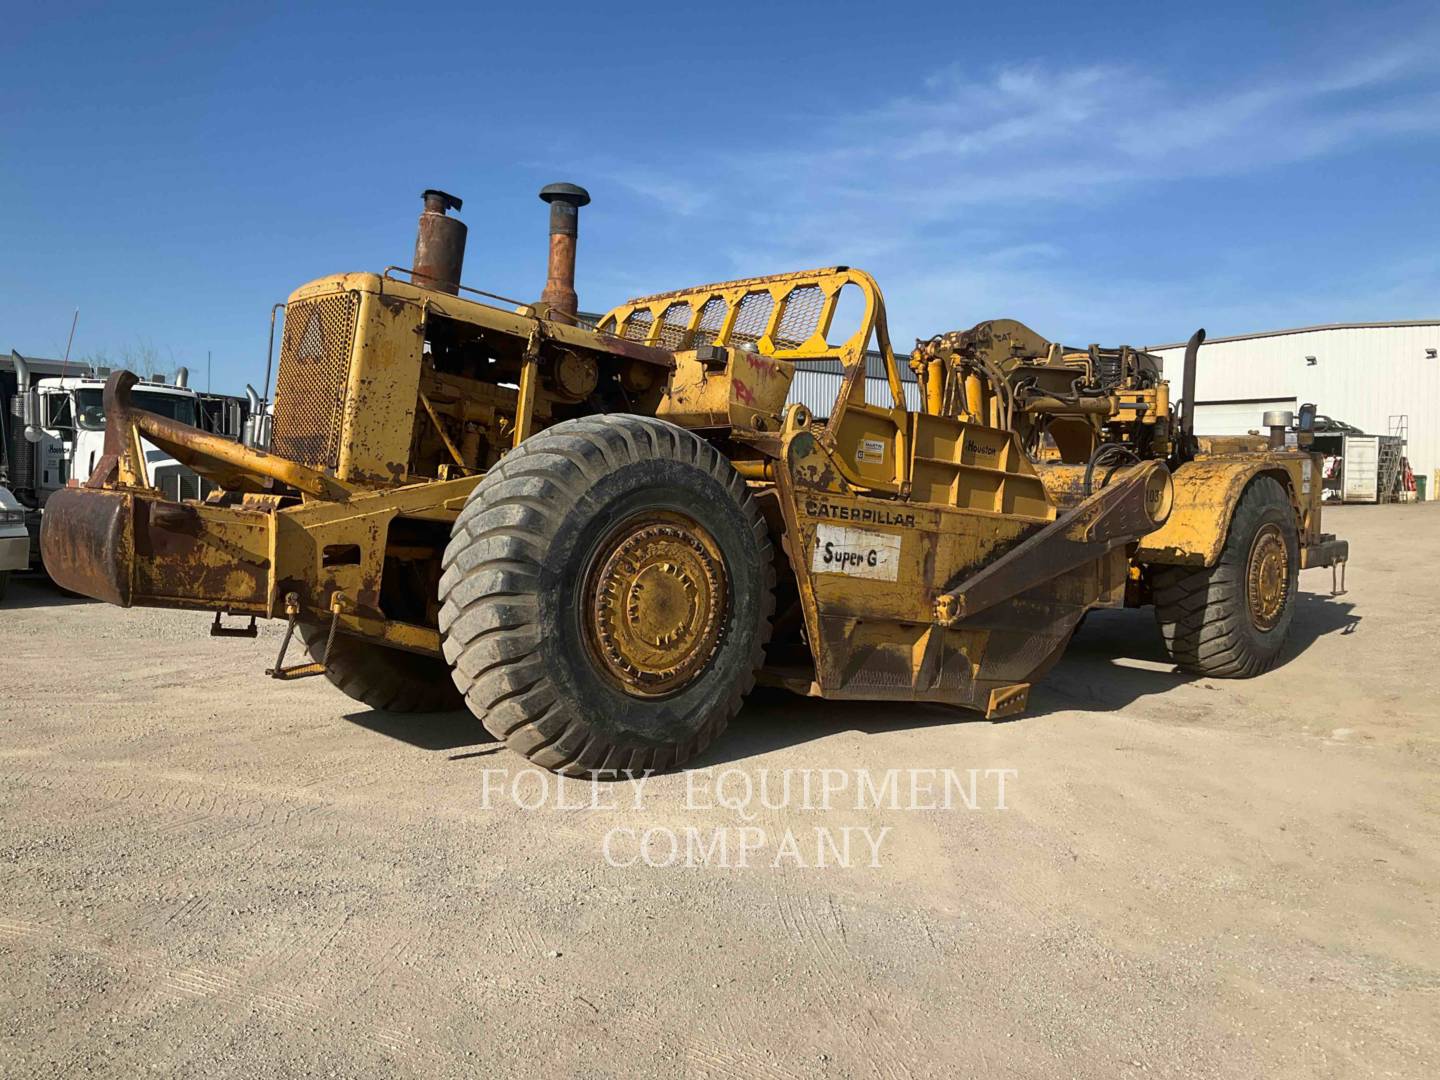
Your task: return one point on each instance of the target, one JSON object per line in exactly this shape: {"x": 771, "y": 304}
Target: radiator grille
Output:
{"x": 310, "y": 387}
{"x": 178, "y": 483}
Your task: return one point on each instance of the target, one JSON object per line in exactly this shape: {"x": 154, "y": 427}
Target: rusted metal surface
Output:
{"x": 869, "y": 569}
{"x": 716, "y": 387}
{"x": 943, "y": 555}
{"x": 316, "y": 353}
{"x": 1207, "y": 491}
{"x": 565, "y": 201}
{"x": 131, "y": 547}
{"x": 188, "y": 552}
{"x": 121, "y": 461}
{"x": 656, "y": 602}
{"x": 1267, "y": 577}
{"x": 439, "y": 244}
{"x": 87, "y": 541}
{"x": 1114, "y": 516}
{"x": 227, "y": 463}
{"x": 785, "y": 316}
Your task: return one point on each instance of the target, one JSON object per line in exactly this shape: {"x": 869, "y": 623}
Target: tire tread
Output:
{"x": 1201, "y": 610}
{"x": 498, "y": 545}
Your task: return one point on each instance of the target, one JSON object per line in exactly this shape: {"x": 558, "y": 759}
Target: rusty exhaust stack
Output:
{"x": 439, "y": 244}
{"x": 565, "y": 201}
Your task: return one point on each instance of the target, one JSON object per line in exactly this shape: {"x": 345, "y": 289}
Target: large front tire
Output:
{"x": 1229, "y": 621}
{"x": 606, "y": 596}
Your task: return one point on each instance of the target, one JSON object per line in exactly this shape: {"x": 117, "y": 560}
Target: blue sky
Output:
{"x": 1104, "y": 172}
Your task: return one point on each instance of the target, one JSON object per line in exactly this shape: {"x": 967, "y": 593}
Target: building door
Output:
{"x": 1237, "y": 417}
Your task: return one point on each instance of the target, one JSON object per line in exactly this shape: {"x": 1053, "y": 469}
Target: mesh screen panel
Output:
{"x": 799, "y": 317}
{"x": 672, "y": 326}
{"x": 637, "y": 325}
{"x": 712, "y": 316}
{"x": 752, "y": 315}
{"x": 310, "y": 386}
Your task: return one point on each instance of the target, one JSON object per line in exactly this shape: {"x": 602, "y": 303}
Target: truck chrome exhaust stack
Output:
{"x": 565, "y": 201}
{"x": 26, "y": 406}
{"x": 439, "y": 244}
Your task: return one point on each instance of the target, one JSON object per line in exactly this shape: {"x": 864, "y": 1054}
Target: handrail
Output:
{"x": 463, "y": 288}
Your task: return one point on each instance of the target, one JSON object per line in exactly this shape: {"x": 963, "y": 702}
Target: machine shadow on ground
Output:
{"x": 458, "y": 730}
{"x": 1114, "y": 660}
{"x": 35, "y": 590}
{"x": 1116, "y": 657}
{"x": 1088, "y": 678}
{"x": 774, "y": 719}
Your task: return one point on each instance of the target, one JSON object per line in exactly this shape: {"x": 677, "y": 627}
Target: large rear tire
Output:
{"x": 1229, "y": 621}
{"x": 382, "y": 677}
{"x": 606, "y": 596}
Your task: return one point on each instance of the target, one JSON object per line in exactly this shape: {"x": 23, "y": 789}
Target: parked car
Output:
{"x": 14, "y": 539}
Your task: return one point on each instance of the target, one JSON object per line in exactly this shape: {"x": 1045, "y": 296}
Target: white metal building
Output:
{"x": 817, "y": 384}
{"x": 1370, "y": 375}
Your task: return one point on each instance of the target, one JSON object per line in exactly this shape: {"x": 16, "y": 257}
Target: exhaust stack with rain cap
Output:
{"x": 439, "y": 244}
{"x": 565, "y": 201}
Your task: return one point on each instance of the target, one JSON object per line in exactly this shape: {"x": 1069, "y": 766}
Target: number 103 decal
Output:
{"x": 856, "y": 552}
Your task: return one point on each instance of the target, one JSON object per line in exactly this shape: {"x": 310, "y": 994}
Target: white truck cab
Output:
{"x": 71, "y": 425}
{"x": 53, "y": 432}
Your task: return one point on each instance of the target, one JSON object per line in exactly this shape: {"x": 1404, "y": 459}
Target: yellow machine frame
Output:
{"x": 930, "y": 499}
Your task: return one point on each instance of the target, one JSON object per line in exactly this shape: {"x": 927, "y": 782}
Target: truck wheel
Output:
{"x": 4, "y": 584}
{"x": 382, "y": 677}
{"x": 1230, "y": 620}
{"x": 606, "y": 596}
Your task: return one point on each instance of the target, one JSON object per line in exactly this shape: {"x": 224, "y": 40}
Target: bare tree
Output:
{"x": 142, "y": 357}
{"x": 96, "y": 358}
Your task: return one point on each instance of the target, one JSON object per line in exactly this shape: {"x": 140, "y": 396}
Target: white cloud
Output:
{"x": 672, "y": 194}
{"x": 939, "y": 191}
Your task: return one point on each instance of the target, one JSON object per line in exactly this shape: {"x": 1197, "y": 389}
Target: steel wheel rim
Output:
{"x": 656, "y": 603}
{"x": 1267, "y": 577}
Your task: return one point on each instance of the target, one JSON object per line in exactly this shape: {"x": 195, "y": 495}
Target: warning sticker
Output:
{"x": 871, "y": 452}
{"x": 856, "y": 552}
{"x": 1306, "y": 467}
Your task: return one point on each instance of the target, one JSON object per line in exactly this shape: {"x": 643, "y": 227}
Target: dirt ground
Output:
{"x": 205, "y": 873}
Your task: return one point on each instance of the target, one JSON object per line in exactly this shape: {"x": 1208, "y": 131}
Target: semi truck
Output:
{"x": 52, "y": 431}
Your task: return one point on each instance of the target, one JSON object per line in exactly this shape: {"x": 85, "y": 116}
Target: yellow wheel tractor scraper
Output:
{"x": 597, "y": 537}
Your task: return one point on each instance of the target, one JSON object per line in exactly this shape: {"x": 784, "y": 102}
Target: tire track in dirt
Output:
{"x": 816, "y": 926}
{"x": 279, "y": 984}
{"x": 712, "y": 1054}
{"x": 728, "y": 1052}
{"x": 524, "y": 939}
